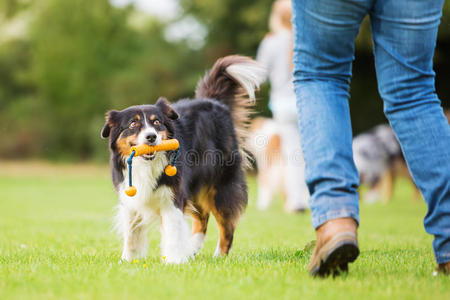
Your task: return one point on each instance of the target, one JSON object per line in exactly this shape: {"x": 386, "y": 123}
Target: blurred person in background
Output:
{"x": 275, "y": 53}
{"x": 404, "y": 38}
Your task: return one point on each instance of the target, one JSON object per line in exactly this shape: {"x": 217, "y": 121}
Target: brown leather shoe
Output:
{"x": 442, "y": 269}
{"x": 337, "y": 246}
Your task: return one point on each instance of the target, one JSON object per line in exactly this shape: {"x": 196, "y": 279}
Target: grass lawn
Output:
{"x": 56, "y": 242}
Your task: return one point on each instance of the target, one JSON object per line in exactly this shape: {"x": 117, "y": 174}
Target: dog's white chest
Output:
{"x": 145, "y": 176}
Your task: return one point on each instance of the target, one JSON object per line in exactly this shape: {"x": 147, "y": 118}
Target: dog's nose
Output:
{"x": 151, "y": 137}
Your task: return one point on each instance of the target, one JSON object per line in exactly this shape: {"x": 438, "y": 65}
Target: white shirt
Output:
{"x": 274, "y": 53}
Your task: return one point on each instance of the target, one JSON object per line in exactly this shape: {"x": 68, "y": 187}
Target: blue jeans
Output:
{"x": 404, "y": 37}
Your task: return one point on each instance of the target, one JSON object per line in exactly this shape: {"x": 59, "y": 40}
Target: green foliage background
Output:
{"x": 79, "y": 58}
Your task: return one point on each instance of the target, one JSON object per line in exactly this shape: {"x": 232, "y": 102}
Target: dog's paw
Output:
{"x": 197, "y": 241}
{"x": 218, "y": 254}
{"x": 129, "y": 256}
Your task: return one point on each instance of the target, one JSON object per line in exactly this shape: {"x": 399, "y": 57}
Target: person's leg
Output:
{"x": 324, "y": 34}
{"x": 404, "y": 33}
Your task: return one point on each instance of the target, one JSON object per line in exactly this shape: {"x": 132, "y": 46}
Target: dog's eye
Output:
{"x": 156, "y": 122}
{"x": 133, "y": 125}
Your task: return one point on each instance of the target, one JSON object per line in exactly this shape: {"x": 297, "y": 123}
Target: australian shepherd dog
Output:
{"x": 379, "y": 161}
{"x": 210, "y": 129}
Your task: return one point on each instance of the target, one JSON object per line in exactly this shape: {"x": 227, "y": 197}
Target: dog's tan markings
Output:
{"x": 200, "y": 224}
{"x": 152, "y": 118}
{"x": 226, "y": 225}
{"x": 137, "y": 117}
{"x": 273, "y": 151}
{"x": 202, "y": 203}
{"x": 124, "y": 144}
{"x": 163, "y": 134}
{"x": 257, "y": 124}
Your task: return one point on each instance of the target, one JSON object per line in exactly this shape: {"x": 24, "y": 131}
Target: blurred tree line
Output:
{"x": 64, "y": 63}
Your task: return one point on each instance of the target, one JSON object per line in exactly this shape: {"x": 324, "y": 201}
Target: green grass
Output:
{"x": 56, "y": 242}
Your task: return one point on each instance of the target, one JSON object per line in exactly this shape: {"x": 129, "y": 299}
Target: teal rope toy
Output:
{"x": 130, "y": 166}
{"x": 170, "y": 169}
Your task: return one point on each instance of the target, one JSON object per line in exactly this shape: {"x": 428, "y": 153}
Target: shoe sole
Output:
{"x": 336, "y": 260}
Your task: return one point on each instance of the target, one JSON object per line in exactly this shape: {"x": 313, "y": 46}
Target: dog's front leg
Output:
{"x": 134, "y": 232}
{"x": 176, "y": 245}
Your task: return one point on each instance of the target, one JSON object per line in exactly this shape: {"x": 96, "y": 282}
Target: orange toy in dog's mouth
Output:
{"x": 148, "y": 152}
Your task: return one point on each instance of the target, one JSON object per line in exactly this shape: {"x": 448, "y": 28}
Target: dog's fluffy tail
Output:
{"x": 233, "y": 80}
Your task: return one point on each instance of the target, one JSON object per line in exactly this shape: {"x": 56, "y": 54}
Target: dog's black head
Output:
{"x": 136, "y": 125}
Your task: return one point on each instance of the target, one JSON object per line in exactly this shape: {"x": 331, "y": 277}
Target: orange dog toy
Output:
{"x": 165, "y": 145}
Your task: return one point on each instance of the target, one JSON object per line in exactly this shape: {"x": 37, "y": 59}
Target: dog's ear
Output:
{"x": 111, "y": 118}
{"x": 164, "y": 105}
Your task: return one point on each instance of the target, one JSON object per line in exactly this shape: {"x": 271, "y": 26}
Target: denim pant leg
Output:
{"x": 324, "y": 34}
{"x": 404, "y": 33}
